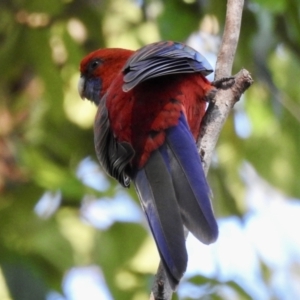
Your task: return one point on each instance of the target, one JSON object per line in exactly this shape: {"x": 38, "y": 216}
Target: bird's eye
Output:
{"x": 94, "y": 64}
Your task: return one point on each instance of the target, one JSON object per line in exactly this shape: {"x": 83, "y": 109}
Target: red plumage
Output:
{"x": 150, "y": 111}
{"x": 150, "y": 106}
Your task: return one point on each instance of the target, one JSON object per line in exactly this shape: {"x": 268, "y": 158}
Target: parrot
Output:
{"x": 150, "y": 103}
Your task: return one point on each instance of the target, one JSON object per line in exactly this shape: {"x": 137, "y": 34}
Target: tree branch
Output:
{"x": 218, "y": 110}
{"x": 230, "y": 38}
{"x": 225, "y": 98}
{"x": 217, "y": 113}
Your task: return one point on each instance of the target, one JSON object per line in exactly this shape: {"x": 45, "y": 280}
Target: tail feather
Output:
{"x": 173, "y": 192}
{"x": 190, "y": 184}
{"x": 156, "y": 193}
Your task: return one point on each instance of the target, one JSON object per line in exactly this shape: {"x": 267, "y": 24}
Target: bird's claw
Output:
{"x": 224, "y": 83}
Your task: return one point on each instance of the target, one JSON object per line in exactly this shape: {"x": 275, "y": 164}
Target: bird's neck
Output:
{"x": 114, "y": 62}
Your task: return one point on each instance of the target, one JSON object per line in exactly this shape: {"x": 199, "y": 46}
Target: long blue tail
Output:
{"x": 190, "y": 184}
{"x": 173, "y": 192}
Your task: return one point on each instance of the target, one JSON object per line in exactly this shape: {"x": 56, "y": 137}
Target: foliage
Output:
{"x": 46, "y": 130}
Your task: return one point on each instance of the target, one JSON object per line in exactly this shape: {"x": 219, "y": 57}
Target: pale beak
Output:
{"x": 80, "y": 86}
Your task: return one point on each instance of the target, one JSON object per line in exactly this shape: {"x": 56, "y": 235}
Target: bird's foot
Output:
{"x": 224, "y": 83}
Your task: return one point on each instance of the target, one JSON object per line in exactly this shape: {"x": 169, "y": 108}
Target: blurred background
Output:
{"x": 67, "y": 231}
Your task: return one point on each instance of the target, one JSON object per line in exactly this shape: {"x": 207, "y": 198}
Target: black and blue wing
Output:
{"x": 160, "y": 59}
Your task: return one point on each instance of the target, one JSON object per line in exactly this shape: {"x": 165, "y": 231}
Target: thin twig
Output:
{"x": 230, "y": 38}
{"x": 217, "y": 112}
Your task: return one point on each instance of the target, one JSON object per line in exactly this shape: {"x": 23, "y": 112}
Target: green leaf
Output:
{"x": 115, "y": 249}
{"x": 178, "y": 28}
{"x": 274, "y": 6}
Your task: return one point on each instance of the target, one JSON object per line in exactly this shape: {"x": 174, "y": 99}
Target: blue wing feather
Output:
{"x": 160, "y": 59}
